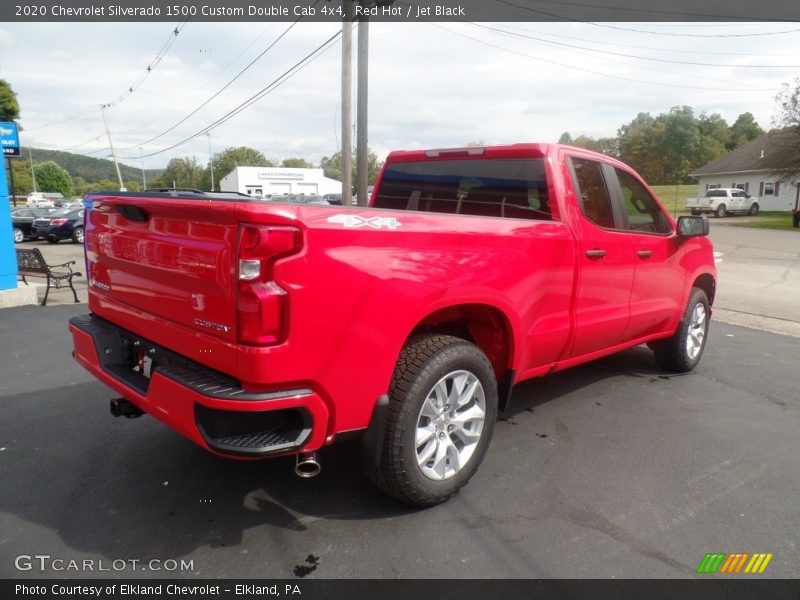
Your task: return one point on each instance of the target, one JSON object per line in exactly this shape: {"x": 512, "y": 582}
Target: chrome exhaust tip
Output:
{"x": 307, "y": 466}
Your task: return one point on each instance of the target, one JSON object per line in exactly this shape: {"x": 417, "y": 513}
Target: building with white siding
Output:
{"x": 264, "y": 181}
{"x": 744, "y": 169}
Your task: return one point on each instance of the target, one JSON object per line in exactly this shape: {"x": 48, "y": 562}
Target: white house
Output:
{"x": 744, "y": 169}
{"x": 258, "y": 181}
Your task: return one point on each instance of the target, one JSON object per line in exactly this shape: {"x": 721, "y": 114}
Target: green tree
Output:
{"x": 296, "y": 163}
{"x": 23, "y": 183}
{"x": 183, "y": 173}
{"x": 784, "y": 152}
{"x": 638, "y": 143}
{"x": 565, "y": 138}
{"x": 227, "y": 160}
{"x": 332, "y": 167}
{"x": 52, "y": 178}
{"x": 9, "y": 106}
{"x": 745, "y": 129}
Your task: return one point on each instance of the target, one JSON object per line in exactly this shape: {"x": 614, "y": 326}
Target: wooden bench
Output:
{"x": 31, "y": 263}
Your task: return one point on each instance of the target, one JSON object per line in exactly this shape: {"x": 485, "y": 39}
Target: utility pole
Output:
{"x": 33, "y": 174}
{"x": 347, "y": 104}
{"x": 111, "y": 146}
{"x": 144, "y": 177}
{"x": 361, "y": 111}
{"x": 210, "y": 160}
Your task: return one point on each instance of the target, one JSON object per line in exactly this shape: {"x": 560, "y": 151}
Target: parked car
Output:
{"x": 22, "y": 221}
{"x": 335, "y": 199}
{"x": 62, "y": 224}
{"x": 722, "y": 202}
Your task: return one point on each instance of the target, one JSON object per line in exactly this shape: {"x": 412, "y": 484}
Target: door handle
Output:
{"x": 595, "y": 253}
{"x": 644, "y": 253}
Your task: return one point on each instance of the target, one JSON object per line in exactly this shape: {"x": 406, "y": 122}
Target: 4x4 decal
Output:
{"x": 354, "y": 221}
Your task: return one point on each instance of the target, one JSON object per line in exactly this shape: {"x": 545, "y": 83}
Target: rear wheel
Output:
{"x": 77, "y": 235}
{"x": 696, "y": 211}
{"x": 682, "y": 351}
{"x": 754, "y": 209}
{"x": 721, "y": 211}
{"x": 442, "y": 410}
{"x": 19, "y": 236}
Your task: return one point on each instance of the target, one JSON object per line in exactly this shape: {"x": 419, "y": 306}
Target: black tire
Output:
{"x": 77, "y": 235}
{"x": 19, "y": 235}
{"x": 754, "y": 209}
{"x": 53, "y": 240}
{"x": 424, "y": 363}
{"x": 696, "y": 211}
{"x": 721, "y": 211}
{"x": 673, "y": 354}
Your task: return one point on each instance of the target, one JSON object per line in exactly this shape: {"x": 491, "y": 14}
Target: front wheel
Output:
{"x": 721, "y": 211}
{"x": 442, "y": 410}
{"x": 19, "y": 236}
{"x": 754, "y": 209}
{"x": 682, "y": 351}
{"x": 77, "y": 235}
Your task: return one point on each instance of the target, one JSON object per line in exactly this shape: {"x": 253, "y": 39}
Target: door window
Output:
{"x": 642, "y": 210}
{"x": 593, "y": 192}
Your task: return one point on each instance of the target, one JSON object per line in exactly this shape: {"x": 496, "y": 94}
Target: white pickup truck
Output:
{"x": 723, "y": 201}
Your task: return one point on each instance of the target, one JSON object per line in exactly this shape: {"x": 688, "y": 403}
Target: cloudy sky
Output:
{"x": 431, "y": 85}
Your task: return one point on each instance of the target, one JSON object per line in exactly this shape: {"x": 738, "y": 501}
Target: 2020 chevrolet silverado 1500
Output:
{"x": 472, "y": 269}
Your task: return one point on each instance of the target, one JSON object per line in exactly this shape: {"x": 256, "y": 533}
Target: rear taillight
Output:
{"x": 263, "y": 305}
{"x": 58, "y": 222}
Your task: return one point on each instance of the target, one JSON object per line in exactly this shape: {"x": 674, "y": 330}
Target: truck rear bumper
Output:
{"x": 205, "y": 406}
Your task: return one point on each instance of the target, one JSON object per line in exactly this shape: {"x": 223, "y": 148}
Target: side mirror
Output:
{"x": 692, "y": 226}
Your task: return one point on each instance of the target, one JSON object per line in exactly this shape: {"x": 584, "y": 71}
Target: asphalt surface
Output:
{"x": 611, "y": 469}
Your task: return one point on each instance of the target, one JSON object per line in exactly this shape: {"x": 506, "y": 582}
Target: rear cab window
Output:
{"x": 510, "y": 188}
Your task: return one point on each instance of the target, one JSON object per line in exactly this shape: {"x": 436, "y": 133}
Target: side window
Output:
{"x": 644, "y": 213}
{"x": 593, "y": 193}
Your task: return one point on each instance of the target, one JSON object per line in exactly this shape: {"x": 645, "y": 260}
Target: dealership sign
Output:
{"x": 9, "y": 139}
{"x": 280, "y": 174}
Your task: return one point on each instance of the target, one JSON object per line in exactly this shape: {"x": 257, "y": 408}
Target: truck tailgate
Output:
{"x": 170, "y": 257}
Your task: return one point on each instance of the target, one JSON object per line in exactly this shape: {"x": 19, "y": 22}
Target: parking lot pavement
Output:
{"x": 611, "y": 469}
{"x": 55, "y": 254}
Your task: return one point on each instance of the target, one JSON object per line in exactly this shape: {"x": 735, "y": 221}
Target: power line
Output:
{"x": 622, "y": 54}
{"x": 678, "y": 50}
{"x": 725, "y": 82}
{"x": 205, "y": 83}
{"x": 218, "y": 92}
{"x": 567, "y": 66}
{"x": 272, "y": 86}
{"x": 152, "y": 65}
{"x": 701, "y": 35}
{"x": 648, "y": 11}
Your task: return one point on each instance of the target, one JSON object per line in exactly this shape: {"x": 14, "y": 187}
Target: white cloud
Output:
{"x": 429, "y": 84}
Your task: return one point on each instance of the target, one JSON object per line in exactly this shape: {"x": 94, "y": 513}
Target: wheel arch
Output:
{"x": 485, "y": 325}
{"x": 708, "y": 284}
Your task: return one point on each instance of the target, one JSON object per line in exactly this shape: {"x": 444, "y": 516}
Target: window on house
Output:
{"x": 769, "y": 188}
{"x": 713, "y": 186}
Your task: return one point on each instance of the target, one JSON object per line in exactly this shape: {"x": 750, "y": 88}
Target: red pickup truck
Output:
{"x": 260, "y": 329}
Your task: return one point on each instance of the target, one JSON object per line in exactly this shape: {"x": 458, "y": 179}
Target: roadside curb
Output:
{"x": 760, "y": 322}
